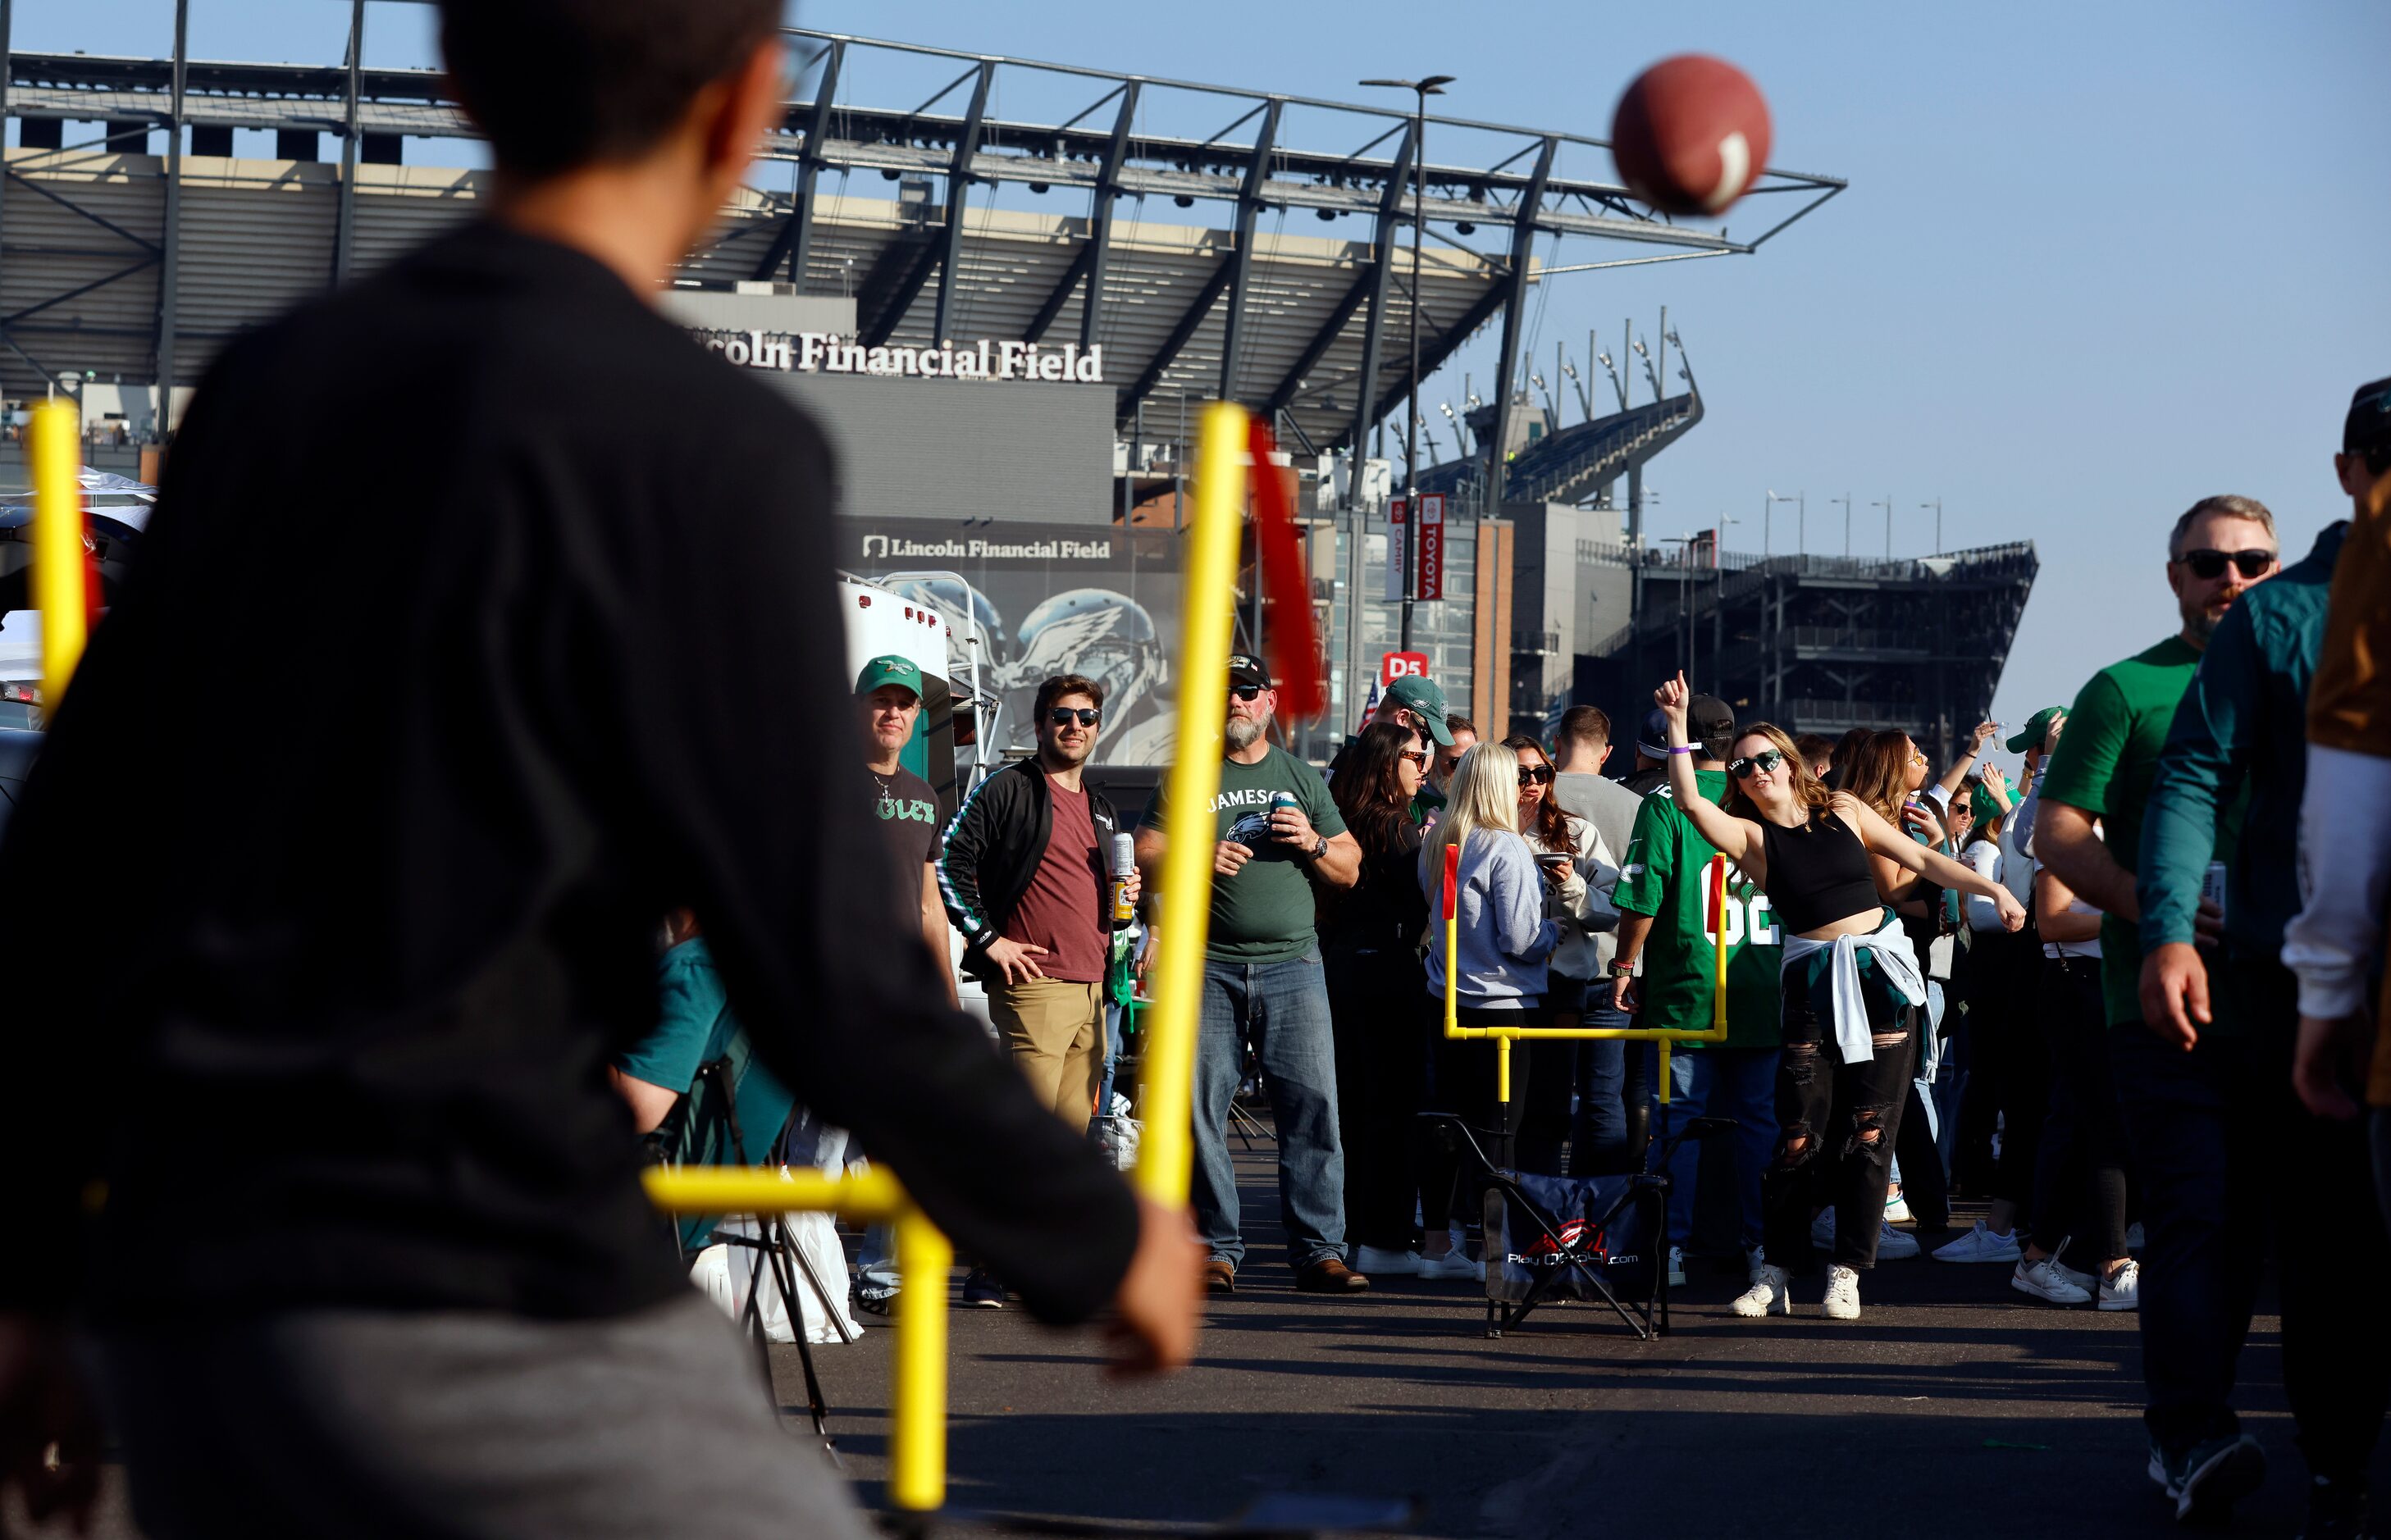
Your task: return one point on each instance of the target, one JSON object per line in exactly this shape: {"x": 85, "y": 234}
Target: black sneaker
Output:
{"x": 2337, "y": 1512}
{"x": 2208, "y": 1479}
{"x": 882, "y": 1305}
{"x": 981, "y": 1291}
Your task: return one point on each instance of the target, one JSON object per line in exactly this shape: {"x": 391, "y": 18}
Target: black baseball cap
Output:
{"x": 2366, "y": 429}
{"x": 1247, "y": 669}
{"x": 1708, "y": 719}
{"x": 1653, "y": 741}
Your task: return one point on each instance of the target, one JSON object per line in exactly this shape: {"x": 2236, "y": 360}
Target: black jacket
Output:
{"x": 992, "y": 849}
{"x": 358, "y": 980}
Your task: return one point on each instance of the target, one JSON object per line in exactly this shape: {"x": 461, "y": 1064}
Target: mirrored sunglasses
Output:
{"x": 1763, "y": 761}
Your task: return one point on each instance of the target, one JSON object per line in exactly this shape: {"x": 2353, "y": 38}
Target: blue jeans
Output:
{"x": 1598, "y": 1138}
{"x": 1281, "y": 1008}
{"x": 1112, "y": 1058}
{"x": 1721, "y": 1083}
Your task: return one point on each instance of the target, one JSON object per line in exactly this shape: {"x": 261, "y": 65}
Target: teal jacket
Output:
{"x": 2245, "y": 717}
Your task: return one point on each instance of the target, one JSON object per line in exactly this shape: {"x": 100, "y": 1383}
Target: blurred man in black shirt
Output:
{"x": 371, "y": 1253}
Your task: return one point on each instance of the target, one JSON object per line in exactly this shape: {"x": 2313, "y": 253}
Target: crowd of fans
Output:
{"x": 2073, "y": 995}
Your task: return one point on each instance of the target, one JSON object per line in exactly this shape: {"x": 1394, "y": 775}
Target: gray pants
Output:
{"x": 361, "y": 1423}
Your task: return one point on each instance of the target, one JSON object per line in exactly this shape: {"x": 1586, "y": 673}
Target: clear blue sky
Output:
{"x": 2095, "y": 262}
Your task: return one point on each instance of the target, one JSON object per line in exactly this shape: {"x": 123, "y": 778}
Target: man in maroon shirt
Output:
{"x": 1025, "y": 875}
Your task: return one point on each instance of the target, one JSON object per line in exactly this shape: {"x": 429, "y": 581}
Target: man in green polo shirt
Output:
{"x": 2199, "y": 1271}
{"x": 1665, "y": 921}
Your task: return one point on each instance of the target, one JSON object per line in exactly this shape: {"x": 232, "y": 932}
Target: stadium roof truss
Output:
{"x": 1314, "y": 330}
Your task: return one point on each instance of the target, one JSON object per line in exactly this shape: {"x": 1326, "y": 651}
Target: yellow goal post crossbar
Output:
{"x": 1503, "y": 1037}
{"x": 917, "y": 1371}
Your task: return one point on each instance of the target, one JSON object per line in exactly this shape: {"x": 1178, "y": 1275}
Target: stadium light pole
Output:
{"x": 1801, "y": 538}
{"x": 1936, "y": 504}
{"x": 1432, "y": 86}
{"x": 1846, "y": 500}
{"x": 1887, "y": 505}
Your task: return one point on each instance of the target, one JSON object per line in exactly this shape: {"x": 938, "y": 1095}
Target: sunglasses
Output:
{"x": 1246, "y": 692}
{"x": 1086, "y": 716}
{"x": 1417, "y": 756}
{"x": 2206, "y": 564}
{"x": 1535, "y": 775}
{"x": 1762, "y": 762}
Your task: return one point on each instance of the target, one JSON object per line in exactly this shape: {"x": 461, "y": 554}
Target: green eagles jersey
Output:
{"x": 1667, "y": 876}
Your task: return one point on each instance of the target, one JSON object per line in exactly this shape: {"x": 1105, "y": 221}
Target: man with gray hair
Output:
{"x": 1276, "y": 832}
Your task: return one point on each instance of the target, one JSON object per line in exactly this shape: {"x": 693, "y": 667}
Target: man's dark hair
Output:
{"x": 1062, "y": 684}
{"x": 1456, "y": 722}
{"x": 1583, "y": 724}
{"x": 556, "y": 84}
{"x": 1812, "y": 748}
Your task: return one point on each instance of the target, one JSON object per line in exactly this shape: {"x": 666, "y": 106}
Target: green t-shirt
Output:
{"x": 1665, "y": 876}
{"x": 2104, "y": 764}
{"x": 1263, "y": 913}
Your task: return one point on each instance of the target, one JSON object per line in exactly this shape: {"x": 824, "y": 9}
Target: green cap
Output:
{"x": 1986, "y": 806}
{"x": 1420, "y": 695}
{"x": 2036, "y": 726}
{"x": 889, "y": 669}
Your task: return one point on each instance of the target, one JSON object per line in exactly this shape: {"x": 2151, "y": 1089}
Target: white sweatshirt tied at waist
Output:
{"x": 1894, "y": 958}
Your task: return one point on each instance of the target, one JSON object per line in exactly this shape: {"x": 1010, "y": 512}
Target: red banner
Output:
{"x": 1431, "y": 545}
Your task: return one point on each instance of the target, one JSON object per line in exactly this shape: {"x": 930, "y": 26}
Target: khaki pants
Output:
{"x": 1055, "y": 1032}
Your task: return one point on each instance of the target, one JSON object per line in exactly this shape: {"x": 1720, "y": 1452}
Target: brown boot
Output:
{"x": 1328, "y": 1276}
{"x": 1219, "y": 1278}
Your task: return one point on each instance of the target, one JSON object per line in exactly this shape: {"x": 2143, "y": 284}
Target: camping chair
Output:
{"x": 1587, "y": 1238}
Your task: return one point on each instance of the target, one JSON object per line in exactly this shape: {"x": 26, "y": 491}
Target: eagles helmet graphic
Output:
{"x": 1096, "y": 632}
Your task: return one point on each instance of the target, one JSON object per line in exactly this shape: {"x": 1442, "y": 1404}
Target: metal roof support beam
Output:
{"x": 1366, "y": 412}
{"x": 957, "y": 185}
{"x": 1100, "y": 220}
{"x": 1514, "y": 290}
{"x": 171, "y": 238}
{"x": 1060, "y": 295}
{"x": 794, "y": 240}
{"x": 1177, "y": 341}
{"x": 344, "y": 228}
{"x": 1323, "y": 340}
{"x": 1449, "y": 341}
{"x": 1241, "y": 260}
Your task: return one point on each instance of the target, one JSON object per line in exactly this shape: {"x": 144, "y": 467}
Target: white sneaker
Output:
{"x": 1980, "y": 1244}
{"x": 1767, "y": 1295}
{"x": 2047, "y": 1279}
{"x": 1754, "y": 1259}
{"x": 2134, "y": 1241}
{"x": 1676, "y": 1266}
{"x": 1843, "y": 1300}
{"x": 2123, "y": 1288}
{"x": 1452, "y": 1264}
{"x": 1822, "y": 1230}
{"x": 1376, "y": 1261}
{"x": 1893, "y": 1245}
{"x": 1896, "y": 1209}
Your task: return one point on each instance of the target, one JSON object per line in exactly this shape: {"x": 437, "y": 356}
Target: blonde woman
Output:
{"x": 1507, "y": 932}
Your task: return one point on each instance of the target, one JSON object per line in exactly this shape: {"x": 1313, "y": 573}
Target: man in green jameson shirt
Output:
{"x": 2187, "y": 1112}
{"x": 1275, "y": 832}
{"x": 2242, "y": 727}
{"x": 1665, "y": 920}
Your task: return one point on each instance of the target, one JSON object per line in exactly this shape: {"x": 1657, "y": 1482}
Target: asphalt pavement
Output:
{"x": 1955, "y": 1407}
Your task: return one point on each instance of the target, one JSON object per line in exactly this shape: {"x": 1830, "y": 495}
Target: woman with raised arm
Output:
{"x": 1851, "y": 989}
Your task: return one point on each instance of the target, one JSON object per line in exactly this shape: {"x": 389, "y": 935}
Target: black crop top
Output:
{"x": 1818, "y": 873}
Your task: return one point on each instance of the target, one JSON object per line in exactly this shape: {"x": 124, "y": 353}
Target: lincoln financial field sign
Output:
{"x": 1045, "y": 598}
{"x": 828, "y": 352}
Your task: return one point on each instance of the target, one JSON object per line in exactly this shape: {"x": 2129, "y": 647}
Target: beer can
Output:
{"x": 1284, "y": 802}
{"x": 1124, "y": 862}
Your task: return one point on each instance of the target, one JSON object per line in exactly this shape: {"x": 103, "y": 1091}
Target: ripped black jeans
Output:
{"x": 1835, "y": 1123}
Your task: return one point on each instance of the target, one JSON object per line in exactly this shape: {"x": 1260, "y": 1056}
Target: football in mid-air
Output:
{"x": 1690, "y": 134}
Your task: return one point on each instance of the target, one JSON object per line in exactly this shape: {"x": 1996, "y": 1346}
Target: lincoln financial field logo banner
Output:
{"x": 826, "y": 352}
{"x": 1097, "y": 600}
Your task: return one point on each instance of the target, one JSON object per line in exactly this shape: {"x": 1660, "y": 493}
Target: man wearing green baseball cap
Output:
{"x": 1417, "y": 701}
{"x": 888, "y": 694}
{"x": 2028, "y": 739}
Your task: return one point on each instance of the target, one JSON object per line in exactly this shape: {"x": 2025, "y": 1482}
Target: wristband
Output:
{"x": 1683, "y": 748}
{"x": 1622, "y": 968}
